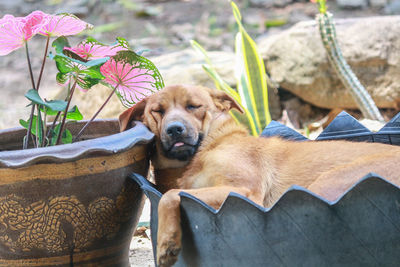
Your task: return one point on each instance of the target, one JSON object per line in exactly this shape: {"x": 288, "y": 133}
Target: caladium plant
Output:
{"x": 128, "y": 75}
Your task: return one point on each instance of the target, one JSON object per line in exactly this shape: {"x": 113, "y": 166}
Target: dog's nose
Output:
{"x": 176, "y": 129}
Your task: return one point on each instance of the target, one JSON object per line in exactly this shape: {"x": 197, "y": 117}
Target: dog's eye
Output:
{"x": 159, "y": 111}
{"x": 192, "y": 107}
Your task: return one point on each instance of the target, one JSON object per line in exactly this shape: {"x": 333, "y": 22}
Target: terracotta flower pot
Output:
{"x": 71, "y": 204}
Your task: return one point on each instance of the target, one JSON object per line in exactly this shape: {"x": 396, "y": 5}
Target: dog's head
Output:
{"x": 179, "y": 116}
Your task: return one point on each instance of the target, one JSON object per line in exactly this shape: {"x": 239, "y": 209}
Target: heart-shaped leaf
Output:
{"x": 60, "y": 43}
{"x": 37, "y": 124}
{"x": 66, "y": 137}
{"x": 86, "y": 74}
{"x": 73, "y": 113}
{"x": 134, "y": 76}
{"x": 57, "y": 105}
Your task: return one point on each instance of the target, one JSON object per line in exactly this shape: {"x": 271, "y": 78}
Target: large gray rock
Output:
{"x": 297, "y": 61}
{"x": 352, "y": 3}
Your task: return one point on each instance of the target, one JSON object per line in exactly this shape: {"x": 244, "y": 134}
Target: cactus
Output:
{"x": 343, "y": 70}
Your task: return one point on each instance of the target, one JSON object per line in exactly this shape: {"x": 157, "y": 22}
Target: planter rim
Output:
{"x": 106, "y": 145}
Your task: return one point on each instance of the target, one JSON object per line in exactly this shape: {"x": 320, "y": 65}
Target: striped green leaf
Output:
{"x": 252, "y": 83}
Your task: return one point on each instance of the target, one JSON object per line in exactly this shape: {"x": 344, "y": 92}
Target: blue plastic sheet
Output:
{"x": 362, "y": 228}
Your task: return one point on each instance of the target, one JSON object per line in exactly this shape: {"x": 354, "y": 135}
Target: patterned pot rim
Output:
{"x": 106, "y": 141}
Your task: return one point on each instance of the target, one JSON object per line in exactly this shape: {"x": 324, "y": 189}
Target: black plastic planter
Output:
{"x": 362, "y": 228}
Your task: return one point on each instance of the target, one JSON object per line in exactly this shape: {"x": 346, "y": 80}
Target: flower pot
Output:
{"x": 71, "y": 204}
{"x": 361, "y": 228}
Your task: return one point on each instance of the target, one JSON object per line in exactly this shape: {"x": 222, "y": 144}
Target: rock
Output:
{"x": 297, "y": 61}
{"x": 270, "y": 3}
{"x": 378, "y": 3}
{"x": 183, "y": 67}
{"x": 352, "y": 3}
{"x": 392, "y": 8}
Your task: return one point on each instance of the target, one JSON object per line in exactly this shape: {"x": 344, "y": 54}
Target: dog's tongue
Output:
{"x": 178, "y": 144}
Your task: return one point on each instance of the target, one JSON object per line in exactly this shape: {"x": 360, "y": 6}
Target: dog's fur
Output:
{"x": 208, "y": 155}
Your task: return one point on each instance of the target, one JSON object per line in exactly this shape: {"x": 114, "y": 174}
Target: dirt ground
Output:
{"x": 153, "y": 26}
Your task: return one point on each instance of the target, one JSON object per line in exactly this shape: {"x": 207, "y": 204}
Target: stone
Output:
{"x": 297, "y": 61}
{"x": 352, "y": 3}
{"x": 378, "y": 3}
{"x": 393, "y": 8}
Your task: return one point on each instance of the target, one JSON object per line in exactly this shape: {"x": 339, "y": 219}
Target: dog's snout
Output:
{"x": 176, "y": 129}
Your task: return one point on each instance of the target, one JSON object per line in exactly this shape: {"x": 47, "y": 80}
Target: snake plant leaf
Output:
{"x": 134, "y": 77}
{"x": 251, "y": 74}
{"x": 57, "y": 105}
{"x": 245, "y": 118}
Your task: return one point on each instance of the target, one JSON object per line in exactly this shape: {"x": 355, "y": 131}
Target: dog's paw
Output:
{"x": 168, "y": 251}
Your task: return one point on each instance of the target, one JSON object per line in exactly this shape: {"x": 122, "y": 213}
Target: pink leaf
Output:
{"x": 64, "y": 24}
{"x": 133, "y": 81}
{"x": 15, "y": 31}
{"x": 89, "y": 50}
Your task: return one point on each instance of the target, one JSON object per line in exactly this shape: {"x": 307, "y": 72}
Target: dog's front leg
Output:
{"x": 169, "y": 219}
{"x": 169, "y": 231}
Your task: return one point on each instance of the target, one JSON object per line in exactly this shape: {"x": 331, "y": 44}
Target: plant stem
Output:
{"x": 38, "y": 120}
{"x": 49, "y": 133}
{"x": 44, "y": 129}
{"x": 95, "y": 115}
{"x": 43, "y": 62}
{"x": 66, "y": 111}
{"x": 28, "y": 134}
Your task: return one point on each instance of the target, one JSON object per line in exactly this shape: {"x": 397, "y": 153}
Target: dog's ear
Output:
{"x": 135, "y": 113}
{"x": 223, "y": 101}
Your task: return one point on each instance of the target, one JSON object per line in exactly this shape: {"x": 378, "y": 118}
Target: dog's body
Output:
{"x": 200, "y": 149}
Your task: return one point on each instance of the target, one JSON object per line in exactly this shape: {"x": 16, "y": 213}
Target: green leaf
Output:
{"x": 54, "y": 134}
{"x": 74, "y": 114}
{"x": 220, "y": 83}
{"x": 87, "y": 73}
{"x": 40, "y": 129}
{"x": 123, "y": 43}
{"x": 37, "y": 124}
{"x": 66, "y": 137}
{"x": 236, "y": 13}
{"x": 252, "y": 83}
{"x": 57, "y": 105}
{"x": 197, "y": 47}
{"x": 25, "y": 124}
{"x": 60, "y": 43}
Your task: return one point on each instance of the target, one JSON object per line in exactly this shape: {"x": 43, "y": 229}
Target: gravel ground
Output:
{"x": 141, "y": 252}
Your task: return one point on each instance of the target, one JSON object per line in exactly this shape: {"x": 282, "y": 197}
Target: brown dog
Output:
{"x": 201, "y": 149}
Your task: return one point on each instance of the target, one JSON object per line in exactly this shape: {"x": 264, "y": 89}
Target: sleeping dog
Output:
{"x": 201, "y": 150}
